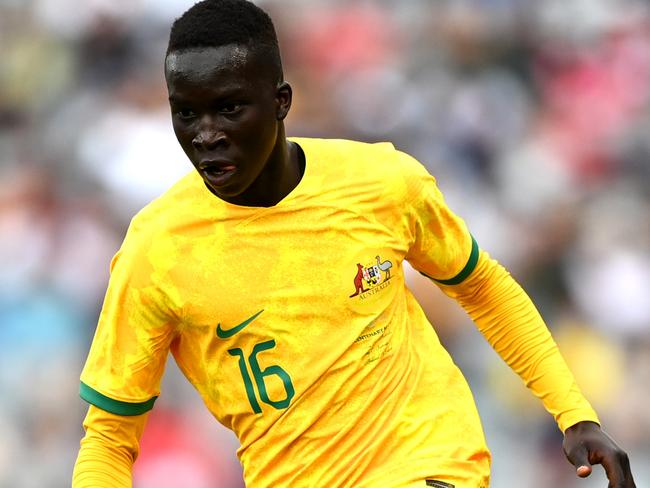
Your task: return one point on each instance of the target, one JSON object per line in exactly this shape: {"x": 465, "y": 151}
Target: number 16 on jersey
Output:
{"x": 260, "y": 376}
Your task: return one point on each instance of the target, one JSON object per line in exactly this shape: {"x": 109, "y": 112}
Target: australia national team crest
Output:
{"x": 371, "y": 277}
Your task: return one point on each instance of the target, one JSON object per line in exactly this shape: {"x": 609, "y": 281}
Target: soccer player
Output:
{"x": 274, "y": 275}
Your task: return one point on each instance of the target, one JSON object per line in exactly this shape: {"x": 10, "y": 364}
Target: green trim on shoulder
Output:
{"x": 467, "y": 270}
{"x": 114, "y": 406}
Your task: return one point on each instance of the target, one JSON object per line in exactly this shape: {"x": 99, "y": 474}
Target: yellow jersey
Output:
{"x": 295, "y": 325}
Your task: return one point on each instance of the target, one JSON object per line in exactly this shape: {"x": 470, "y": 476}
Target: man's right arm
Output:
{"x": 108, "y": 450}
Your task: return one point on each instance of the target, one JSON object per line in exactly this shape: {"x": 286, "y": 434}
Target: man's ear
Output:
{"x": 283, "y": 97}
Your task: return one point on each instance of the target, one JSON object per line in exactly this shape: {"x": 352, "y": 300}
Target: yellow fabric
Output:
{"x": 108, "y": 450}
{"x": 294, "y": 323}
{"x": 353, "y": 386}
{"x": 510, "y": 322}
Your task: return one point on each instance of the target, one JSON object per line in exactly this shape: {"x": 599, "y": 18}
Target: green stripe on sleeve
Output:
{"x": 114, "y": 406}
{"x": 466, "y": 271}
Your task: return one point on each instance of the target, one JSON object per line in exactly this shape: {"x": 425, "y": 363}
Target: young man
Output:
{"x": 273, "y": 274}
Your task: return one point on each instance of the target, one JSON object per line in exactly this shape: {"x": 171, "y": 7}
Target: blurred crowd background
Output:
{"x": 534, "y": 115}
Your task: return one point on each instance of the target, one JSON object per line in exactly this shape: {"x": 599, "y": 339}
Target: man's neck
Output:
{"x": 280, "y": 176}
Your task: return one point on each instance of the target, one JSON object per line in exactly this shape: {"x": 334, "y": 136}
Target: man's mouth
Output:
{"x": 215, "y": 166}
{"x": 217, "y": 173}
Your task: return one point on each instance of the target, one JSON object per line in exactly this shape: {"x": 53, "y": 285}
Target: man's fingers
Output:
{"x": 579, "y": 457}
{"x": 586, "y": 444}
{"x": 617, "y": 468}
{"x": 583, "y": 471}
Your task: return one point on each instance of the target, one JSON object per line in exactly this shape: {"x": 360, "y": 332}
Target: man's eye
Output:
{"x": 230, "y": 108}
{"x": 185, "y": 113}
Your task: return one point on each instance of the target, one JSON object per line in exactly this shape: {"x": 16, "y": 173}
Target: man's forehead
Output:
{"x": 206, "y": 60}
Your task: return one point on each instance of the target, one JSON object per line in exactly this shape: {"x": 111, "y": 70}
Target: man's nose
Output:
{"x": 209, "y": 136}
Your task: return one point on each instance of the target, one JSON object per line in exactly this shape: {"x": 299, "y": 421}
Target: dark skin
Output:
{"x": 586, "y": 444}
{"x": 228, "y": 108}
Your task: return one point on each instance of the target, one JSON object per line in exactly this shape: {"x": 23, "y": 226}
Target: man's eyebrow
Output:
{"x": 225, "y": 93}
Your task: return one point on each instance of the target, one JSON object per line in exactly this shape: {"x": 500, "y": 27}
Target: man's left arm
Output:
{"x": 509, "y": 321}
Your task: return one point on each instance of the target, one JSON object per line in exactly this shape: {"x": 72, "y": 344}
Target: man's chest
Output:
{"x": 324, "y": 262}
{"x": 267, "y": 309}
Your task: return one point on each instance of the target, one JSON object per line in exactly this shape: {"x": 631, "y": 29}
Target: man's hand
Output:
{"x": 585, "y": 444}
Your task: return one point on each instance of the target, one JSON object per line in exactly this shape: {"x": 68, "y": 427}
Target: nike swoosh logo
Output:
{"x": 226, "y": 333}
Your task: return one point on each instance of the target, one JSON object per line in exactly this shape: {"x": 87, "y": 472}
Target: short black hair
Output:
{"x": 216, "y": 23}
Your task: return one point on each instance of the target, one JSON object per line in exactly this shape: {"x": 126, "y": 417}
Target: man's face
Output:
{"x": 226, "y": 111}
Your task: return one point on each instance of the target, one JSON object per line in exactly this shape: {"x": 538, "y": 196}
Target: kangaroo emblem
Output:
{"x": 358, "y": 281}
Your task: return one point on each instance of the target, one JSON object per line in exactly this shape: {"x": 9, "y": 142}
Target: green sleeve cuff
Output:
{"x": 466, "y": 271}
{"x": 114, "y": 406}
